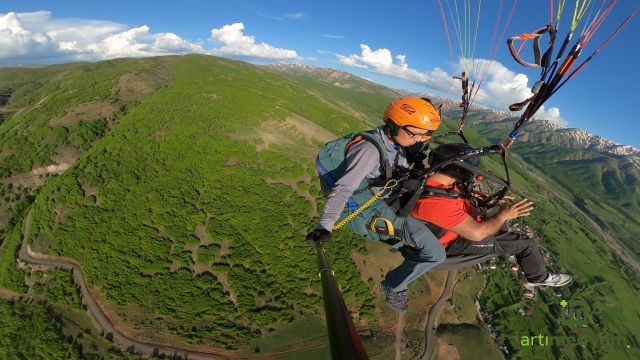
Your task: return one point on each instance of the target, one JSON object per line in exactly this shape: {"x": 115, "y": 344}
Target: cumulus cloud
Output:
{"x": 17, "y": 41}
{"x": 500, "y": 88}
{"x": 37, "y": 37}
{"x": 137, "y": 42}
{"x": 381, "y": 62}
{"x": 553, "y": 115}
{"x": 235, "y": 43}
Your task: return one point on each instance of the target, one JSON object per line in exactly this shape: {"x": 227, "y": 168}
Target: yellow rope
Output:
{"x": 578, "y": 12}
{"x": 560, "y": 10}
{"x": 390, "y": 184}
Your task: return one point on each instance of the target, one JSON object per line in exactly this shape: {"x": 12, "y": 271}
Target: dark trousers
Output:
{"x": 523, "y": 247}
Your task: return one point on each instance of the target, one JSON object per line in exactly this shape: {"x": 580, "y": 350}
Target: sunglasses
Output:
{"x": 418, "y": 136}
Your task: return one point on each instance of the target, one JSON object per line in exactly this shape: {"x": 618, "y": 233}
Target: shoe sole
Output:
{"x": 552, "y": 285}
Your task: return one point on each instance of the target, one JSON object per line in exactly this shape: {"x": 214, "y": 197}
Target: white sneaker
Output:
{"x": 554, "y": 279}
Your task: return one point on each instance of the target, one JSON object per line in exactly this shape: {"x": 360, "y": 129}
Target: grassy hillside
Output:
{"x": 188, "y": 210}
{"x": 184, "y": 198}
{"x": 601, "y": 277}
{"x": 602, "y": 185}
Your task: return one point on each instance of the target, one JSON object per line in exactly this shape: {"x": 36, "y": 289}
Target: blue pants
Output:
{"x": 427, "y": 254}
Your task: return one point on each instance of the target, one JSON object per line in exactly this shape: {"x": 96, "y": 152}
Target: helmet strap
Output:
{"x": 392, "y": 127}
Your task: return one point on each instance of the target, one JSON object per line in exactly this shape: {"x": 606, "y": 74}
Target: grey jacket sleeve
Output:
{"x": 362, "y": 159}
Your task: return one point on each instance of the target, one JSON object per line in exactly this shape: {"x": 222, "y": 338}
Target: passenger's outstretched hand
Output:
{"x": 521, "y": 208}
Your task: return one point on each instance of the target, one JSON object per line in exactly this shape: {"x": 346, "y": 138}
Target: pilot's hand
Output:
{"x": 318, "y": 236}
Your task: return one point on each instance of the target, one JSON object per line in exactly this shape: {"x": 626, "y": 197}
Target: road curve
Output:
{"x": 429, "y": 337}
{"x": 109, "y": 329}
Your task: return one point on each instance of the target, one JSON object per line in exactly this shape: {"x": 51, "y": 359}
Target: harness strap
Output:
{"x": 406, "y": 209}
{"x": 387, "y": 227}
{"x": 352, "y": 142}
{"x": 440, "y": 192}
{"x": 386, "y": 164}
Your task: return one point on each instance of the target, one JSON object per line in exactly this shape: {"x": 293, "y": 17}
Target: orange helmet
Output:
{"x": 412, "y": 111}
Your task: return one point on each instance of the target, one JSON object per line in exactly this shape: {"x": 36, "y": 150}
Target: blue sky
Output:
{"x": 397, "y": 44}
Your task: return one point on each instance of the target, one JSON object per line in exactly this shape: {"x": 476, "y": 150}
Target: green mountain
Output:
{"x": 186, "y": 190}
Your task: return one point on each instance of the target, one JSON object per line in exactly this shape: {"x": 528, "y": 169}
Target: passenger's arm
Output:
{"x": 474, "y": 230}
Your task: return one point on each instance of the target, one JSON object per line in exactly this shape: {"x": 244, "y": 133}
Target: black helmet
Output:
{"x": 450, "y": 150}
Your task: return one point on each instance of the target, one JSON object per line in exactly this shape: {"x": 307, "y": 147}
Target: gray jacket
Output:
{"x": 363, "y": 161}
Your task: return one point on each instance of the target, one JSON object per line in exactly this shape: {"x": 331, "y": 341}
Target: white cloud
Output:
{"x": 37, "y": 37}
{"x": 294, "y": 16}
{"x": 65, "y": 30}
{"x": 500, "y": 88}
{"x": 332, "y": 36}
{"x": 285, "y": 16}
{"x": 138, "y": 42}
{"x": 235, "y": 43}
{"x": 553, "y": 115}
{"x": 381, "y": 62}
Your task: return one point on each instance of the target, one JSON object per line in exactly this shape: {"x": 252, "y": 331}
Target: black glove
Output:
{"x": 318, "y": 235}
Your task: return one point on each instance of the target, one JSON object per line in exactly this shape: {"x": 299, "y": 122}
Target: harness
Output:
{"x": 434, "y": 191}
{"x": 461, "y": 261}
{"x": 331, "y": 164}
{"x": 363, "y": 214}
{"x": 483, "y": 205}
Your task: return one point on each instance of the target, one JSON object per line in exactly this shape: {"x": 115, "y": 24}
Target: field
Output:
{"x": 467, "y": 339}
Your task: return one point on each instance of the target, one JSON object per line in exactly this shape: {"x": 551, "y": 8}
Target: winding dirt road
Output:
{"x": 126, "y": 342}
{"x": 429, "y": 337}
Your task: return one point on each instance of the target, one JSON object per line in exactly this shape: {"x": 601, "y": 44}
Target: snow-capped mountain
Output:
{"x": 548, "y": 131}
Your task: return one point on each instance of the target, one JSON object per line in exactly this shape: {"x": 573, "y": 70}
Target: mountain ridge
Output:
{"x": 577, "y": 138}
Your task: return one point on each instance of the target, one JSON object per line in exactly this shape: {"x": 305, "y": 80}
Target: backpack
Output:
{"x": 331, "y": 164}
